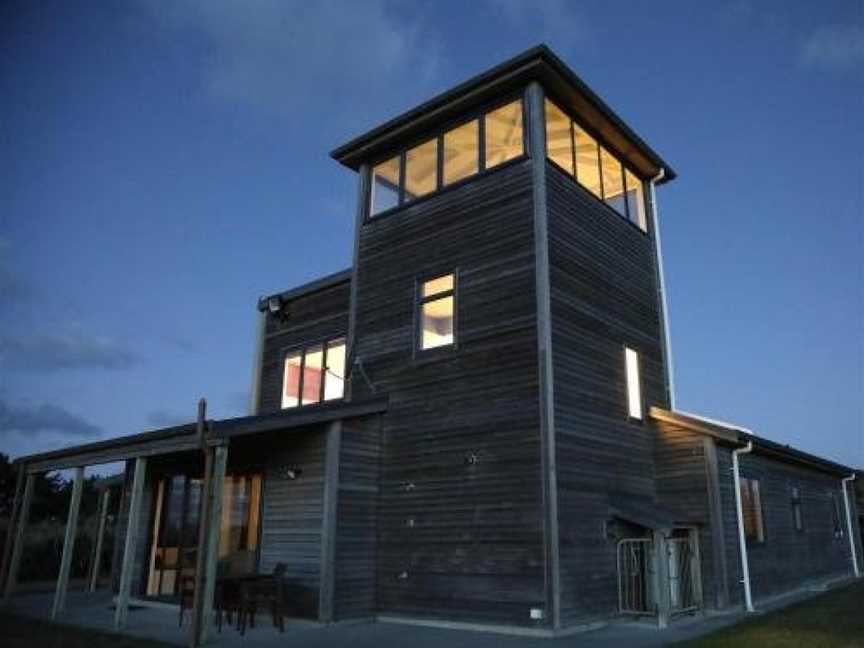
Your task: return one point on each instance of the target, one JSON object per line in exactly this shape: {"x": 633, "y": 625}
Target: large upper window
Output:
{"x": 314, "y": 374}
{"x": 437, "y": 305}
{"x": 751, "y": 508}
{"x": 448, "y": 158}
{"x": 578, "y": 153}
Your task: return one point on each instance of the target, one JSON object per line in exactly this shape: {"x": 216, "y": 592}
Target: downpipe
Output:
{"x": 661, "y": 278}
{"x": 742, "y": 539}
{"x": 843, "y": 482}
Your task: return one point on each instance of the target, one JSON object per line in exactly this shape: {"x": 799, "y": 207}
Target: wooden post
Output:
{"x": 68, "y": 544}
{"x": 208, "y": 555}
{"x": 18, "y": 545}
{"x": 662, "y": 592}
{"x": 96, "y": 563}
{"x": 329, "y": 522}
{"x": 127, "y": 565}
{"x": 10, "y": 529}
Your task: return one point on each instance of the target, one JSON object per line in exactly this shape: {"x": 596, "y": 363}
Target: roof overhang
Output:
{"x": 739, "y": 436}
{"x": 328, "y": 281}
{"x": 184, "y": 438}
{"x": 536, "y": 64}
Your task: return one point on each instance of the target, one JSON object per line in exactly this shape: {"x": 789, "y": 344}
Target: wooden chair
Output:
{"x": 266, "y": 592}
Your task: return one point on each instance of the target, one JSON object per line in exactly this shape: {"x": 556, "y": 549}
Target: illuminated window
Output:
{"x": 588, "y": 163}
{"x": 559, "y": 137}
{"x": 437, "y": 307}
{"x": 314, "y": 374}
{"x": 461, "y": 152}
{"x": 751, "y": 509}
{"x": 634, "y": 387}
{"x": 503, "y": 134}
{"x": 797, "y": 517}
{"x": 613, "y": 182}
{"x": 635, "y": 199}
{"x": 385, "y": 186}
{"x": 421, "y": 170}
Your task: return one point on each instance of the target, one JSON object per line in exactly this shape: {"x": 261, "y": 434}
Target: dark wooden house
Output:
{"x": 474, "y": 425}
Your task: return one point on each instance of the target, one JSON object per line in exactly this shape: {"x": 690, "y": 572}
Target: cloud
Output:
{"x": 57, "y": 352}
{"x": 163, "y": 418}
{"x": 271, "y": 52}
{"x": 27, "y": 419}
{"x": 835, "y": 47}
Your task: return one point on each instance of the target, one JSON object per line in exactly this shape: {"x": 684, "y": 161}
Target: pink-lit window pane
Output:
{"x": 313, "y": 375}
{"x": 291, "y": 382}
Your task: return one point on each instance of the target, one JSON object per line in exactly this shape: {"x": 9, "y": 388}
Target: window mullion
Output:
{"x": 300, "y": 380}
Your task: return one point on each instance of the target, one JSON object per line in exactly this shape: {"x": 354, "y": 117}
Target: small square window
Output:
{"x": 437, "y": 308}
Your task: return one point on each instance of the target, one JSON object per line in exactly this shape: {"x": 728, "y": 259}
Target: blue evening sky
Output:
{"x": 162, "y": 164}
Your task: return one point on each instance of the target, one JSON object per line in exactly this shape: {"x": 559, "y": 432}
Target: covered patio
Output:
{"x": 191, "y": 507}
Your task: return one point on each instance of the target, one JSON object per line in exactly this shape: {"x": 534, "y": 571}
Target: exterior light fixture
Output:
{"x": 274, "y": 305}
{"x": 290, "y": 472}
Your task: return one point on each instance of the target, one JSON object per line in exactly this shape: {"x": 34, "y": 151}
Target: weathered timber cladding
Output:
{"x": 457, "y": 540}
{"x": 788, "y": 558}
{"x": 292, "y": 509}
{"x": 356, "y": 525}
{"x": 682, "y": 487}
{"x": 312, "y": 318}
{"x": 603, "y": 297}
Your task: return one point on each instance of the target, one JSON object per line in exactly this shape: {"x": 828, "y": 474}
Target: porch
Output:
{"x": 203, "y": 504}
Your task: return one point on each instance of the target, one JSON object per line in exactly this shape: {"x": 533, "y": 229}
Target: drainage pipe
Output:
{"x": 742, "y": 539}
{"x": 843, "y": 482}
{"x": 667, "y": 336}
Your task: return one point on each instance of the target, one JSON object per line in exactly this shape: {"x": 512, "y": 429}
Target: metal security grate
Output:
{"x": 635, "y": 576}
{"x": 682, "y": 591}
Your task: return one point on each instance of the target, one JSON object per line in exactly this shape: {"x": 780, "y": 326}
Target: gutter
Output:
{"x": 667, "y": 336}
{"x": 742, "y": 540}
{"x": 843, "y": 482}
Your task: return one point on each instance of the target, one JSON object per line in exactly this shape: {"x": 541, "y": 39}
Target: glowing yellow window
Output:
{"x": 559, "y": 138}
{"x": 421, "y": 170}
{"x": 503, "y": 134}
{"x": 634, "y": 386}
{"x": 461, "y": 152}
{"x": 588, "y": 163}
{"x": 437, "y": 308}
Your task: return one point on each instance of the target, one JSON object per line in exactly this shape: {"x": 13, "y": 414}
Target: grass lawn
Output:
{"x": 20, "y": 632}
{"x": 831, "y": 620}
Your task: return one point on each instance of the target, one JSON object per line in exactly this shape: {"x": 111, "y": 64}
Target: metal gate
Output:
{"x": 682, "y": 590}
{"x": 635, "y": 576}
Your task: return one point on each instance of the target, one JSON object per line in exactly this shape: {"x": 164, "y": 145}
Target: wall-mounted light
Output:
{"x": 290, "y": 472}
{"x": 277, "y": 307}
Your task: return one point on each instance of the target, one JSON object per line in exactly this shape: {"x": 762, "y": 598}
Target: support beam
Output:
{"x": 329, "y": 524}
{"x": 128, "y": 562}
{"x": 205, "y": 586}
{"x": 716, "y": 525}
{"x": 10, "y": 530}
{"x": 662, "y": 593}
{"x": 68, "y": 544}
{"x": 96, "y": 562}
{"x": 18, "y": 545}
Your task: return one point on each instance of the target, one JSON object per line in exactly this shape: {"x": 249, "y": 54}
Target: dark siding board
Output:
{"x": 314, "y": 317}
{"x": 603, "y": 296}
{"x": 357, "y": 519}
{"x": 292, "y": 510}
{"x": 789, "y": 559}
{"x": 475, "y": 549}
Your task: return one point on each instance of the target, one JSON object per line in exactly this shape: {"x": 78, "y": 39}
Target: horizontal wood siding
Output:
{"x": 458, "y": 540}
{"x": 789, "y": 559}
{"x": 292, "y": 509}
{"x": 356, "y": 518}
{"x": 311, "y": 318}
{"x": 603, "y": 297}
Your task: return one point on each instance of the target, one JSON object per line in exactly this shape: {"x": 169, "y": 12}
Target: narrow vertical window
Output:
{"x": 503, "y": 134}
{"x": 291, "y": 380}
{"x": 313, "y": 368}
{"x": 461, "y": 152}
{"x": 436, "y": 312}
{"x": 559, "y": 137}
{"x": 613, "y": 182}
{"x": 385, "y": 186}
{"x": 334, "y": 377}
{"x": 751, "y": 509}
{"x": 588, "y": 163}
{"x": 837, "y": 516}
{"x": 634, "y": 387}
{"x": 421, "y": 170}
{"x": 797, "y": 518}
{"x": 635, "y": 199}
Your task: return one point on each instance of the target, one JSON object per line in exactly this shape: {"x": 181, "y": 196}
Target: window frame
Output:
{"x": 761, "y": 536}
{"x": 325, "y": 343}
{"x": 796, "y": 501}
{"x": 437, "y": 133}
{"x": 641, "y": 418}
{"x": 601, "y": 144}
{"x": 420, "y": 300}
